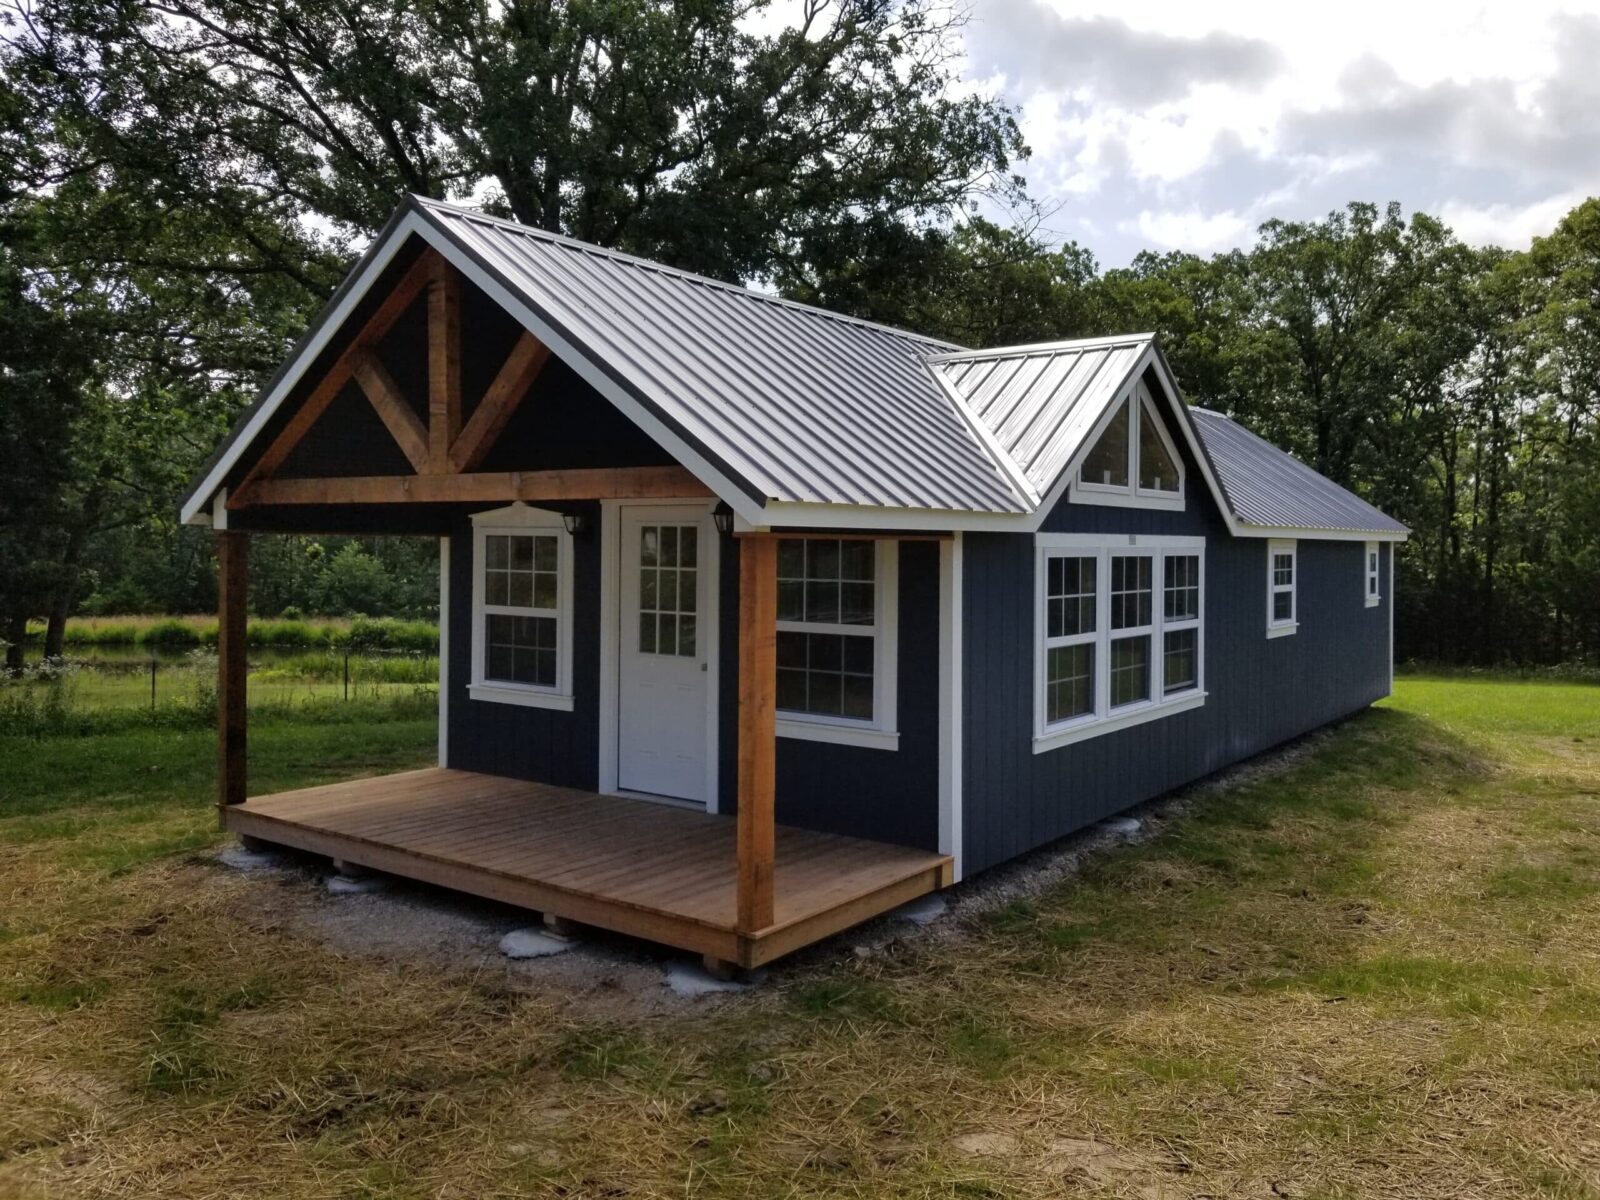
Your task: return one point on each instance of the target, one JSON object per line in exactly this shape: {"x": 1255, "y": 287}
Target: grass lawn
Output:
{"x": 1373, "y": 969}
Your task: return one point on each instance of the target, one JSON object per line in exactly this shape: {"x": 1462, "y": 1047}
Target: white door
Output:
{"x": 668, "y": 651}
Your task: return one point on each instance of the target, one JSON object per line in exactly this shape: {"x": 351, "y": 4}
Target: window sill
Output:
{"x": 491, "y": 693}
{"x": 1122, "y": 498}
{"x": 1125, "y": 720}
{"x": 1275, "y": 631}
{"x": 839, "y": 735}
{"x": 1374, "y": 601}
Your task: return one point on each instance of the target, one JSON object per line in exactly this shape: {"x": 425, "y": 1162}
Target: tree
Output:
{"x": 666, "y": 128}
{"x": 43, "y": 381}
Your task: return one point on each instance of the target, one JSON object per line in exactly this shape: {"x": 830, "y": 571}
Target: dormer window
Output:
{"x": 1133, "y": 460}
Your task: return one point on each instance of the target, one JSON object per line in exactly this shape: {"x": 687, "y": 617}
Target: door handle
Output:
{"x": 703, "y": 666}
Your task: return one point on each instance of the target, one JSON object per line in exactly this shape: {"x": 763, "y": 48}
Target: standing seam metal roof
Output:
{"x": 1269, "y": 487}
{"x": 802, "y": 404}
{"x": 1040, "y": 402}
{"x": 797, "y": 404}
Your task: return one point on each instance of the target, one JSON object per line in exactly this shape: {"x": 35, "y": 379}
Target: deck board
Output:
{"x": 655, "y": 871}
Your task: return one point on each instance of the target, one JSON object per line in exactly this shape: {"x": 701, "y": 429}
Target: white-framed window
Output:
{"x": 1120, "y": 632}
{"x": 521, "y": 608}
{"x": 1283, "y": 580}
{"x": 1131, "y": 460}
{"x": 1373, "y": 590}
{"x": 837, "y": 653}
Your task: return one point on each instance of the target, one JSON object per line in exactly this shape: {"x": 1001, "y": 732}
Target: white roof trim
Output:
{"x": 1015, "y": 476}
{"x": 1029, "y": 348}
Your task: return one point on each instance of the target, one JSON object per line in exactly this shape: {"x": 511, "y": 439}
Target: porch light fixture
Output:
{"x": 576, "y": 523}
{"x": 723, "y": 516}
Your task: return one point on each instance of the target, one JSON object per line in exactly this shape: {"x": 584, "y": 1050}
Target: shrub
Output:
{"x": 100, "y": 635}
{"x": 171, "y": 633}
{"x": 286, "y": 633}
{"x": 291, "y": 612}
{"x": 386, "y": 633}
{"x": 353, "y": 581}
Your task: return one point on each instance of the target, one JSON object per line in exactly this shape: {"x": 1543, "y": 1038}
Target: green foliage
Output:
{"x": 171, "y": 633}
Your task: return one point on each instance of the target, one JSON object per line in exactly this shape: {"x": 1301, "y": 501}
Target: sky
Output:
{"x": 1162, "y": 125}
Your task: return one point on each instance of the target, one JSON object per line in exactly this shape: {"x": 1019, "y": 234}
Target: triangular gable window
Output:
{"x": 1157, "y": 470}
{"x": 1133, "y": 461}
{"x": 1107, "y": 464}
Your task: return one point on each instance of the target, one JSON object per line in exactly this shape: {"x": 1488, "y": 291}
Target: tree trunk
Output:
{"x": 16, "y": 630}
{"x": 66, "y": 594}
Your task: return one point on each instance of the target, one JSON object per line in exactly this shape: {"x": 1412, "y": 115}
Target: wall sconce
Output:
{"x": 723, "y": 516}
{"x": 576, "y": 523}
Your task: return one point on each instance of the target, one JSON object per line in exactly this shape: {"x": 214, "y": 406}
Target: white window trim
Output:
{"x": 1105, "y": 720}
{"x": 1372, "y": 586}
{"x": 1131, "y": 495}
{"x": 882, "y": 732}
{"x": 519, "y": 518}
{"x": 1276, "y": 547}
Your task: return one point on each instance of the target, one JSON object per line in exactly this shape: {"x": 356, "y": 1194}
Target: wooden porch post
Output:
{"x": 758, "y": 686}
{"x": 233, "y": 578}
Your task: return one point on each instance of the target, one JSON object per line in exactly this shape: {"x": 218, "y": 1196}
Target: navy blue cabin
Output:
{"x": 757, "y": 620}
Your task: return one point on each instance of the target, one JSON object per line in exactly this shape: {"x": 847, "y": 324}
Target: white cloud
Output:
{"x": 1192, "y": 230}
{"x": 1485, "y": 115}
{"x": 1511, "y": 225}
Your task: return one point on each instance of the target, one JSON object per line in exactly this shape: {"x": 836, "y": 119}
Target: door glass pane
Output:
{"x": 667, "y": 589}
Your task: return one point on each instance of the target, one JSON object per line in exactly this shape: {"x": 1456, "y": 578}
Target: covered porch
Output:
{"x": 653, "y": 871}
{"x": 406, "y": 423}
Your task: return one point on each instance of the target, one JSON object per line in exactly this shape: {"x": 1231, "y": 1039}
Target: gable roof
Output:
{"x": 800, "y": 404}
{"x": 1039, "y": 402}
{"x": 1267, "y": 487}
{"x": 795, "y": 415}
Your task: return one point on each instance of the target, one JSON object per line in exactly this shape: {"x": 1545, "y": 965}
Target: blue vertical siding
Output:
{"x": 512, "y": 739}
{"x": 886, "y": 795}
{"x": 1260, "y": 691}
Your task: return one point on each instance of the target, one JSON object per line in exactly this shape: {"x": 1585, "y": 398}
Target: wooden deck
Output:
{"x": 653, "y": 871}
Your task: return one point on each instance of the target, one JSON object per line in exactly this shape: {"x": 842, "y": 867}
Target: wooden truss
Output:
{"x": 444, "y": 452}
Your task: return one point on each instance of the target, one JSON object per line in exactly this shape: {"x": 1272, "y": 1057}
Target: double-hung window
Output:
{"x": 1374, "y": 592}
{"x": 1120, "y": 634}
{"x": 1283, "y": 574}
{"x": 522, "y": 608}
{"x": 836, "y": 640}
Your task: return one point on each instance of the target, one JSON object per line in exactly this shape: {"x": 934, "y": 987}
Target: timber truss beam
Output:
{"x": 444, "y": 451}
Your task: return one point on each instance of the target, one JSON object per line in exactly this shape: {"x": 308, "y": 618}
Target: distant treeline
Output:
{"x": 174, "y": 210}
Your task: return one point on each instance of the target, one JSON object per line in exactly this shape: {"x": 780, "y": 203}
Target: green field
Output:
{"x": 1367, "y": 967}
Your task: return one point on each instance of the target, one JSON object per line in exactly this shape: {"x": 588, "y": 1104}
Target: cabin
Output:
{"x": 757, "y": 620}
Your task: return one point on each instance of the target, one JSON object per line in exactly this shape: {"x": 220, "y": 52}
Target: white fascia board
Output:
{"x": 415, "y": 222}
{"x": 1056, "y": 347}
{"x": 200, "y": 498}
{"x": 1312, "y": 534}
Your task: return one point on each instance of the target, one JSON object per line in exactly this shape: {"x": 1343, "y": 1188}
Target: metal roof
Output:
{"x": 1268, "y": 487}
{"x": 1039, "y": 402}
{"x": 798, "y": 403}
{"x": 790, "y": 404}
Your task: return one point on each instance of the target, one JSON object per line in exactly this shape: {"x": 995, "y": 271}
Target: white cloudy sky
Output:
{"x": 1184, "y": 125}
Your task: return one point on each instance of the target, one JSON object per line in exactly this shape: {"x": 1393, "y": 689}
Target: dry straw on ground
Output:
{"x": 1366, "y": 969}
